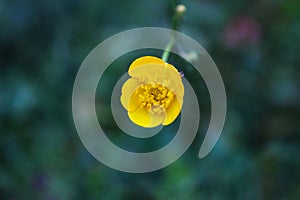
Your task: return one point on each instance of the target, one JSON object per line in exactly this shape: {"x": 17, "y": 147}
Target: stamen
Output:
{"x": 155, "y": 97}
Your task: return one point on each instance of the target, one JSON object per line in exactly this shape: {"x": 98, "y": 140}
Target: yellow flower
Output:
{"x": 154, "y": 94}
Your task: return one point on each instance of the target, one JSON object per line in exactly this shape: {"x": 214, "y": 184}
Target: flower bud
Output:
{"x": 180, "y": 9}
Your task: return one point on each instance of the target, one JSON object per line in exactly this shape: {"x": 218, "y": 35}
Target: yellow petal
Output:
{"x": 176, "y": 80}
{"x": 172, "y": 68}
{"x": 165, "y": 74}
{"x": 173, "y": 111}
{"x": 129, "y": 97}
{"x": 145, "y": 60}
{"x": 140, "y": 117}
{"x": 156, "y": 120}
{"x": 145, "y": 119}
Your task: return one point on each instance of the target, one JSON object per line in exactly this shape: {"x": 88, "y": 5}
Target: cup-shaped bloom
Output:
{"x": 154, "y": 93}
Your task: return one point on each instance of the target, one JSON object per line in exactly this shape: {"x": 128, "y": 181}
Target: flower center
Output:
{"x": 155, "y": 97}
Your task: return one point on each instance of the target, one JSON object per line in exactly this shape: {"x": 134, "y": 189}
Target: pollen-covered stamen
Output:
{"x": 155, "y": 97}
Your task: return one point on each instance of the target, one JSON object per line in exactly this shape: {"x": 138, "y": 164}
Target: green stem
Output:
{"x": 167, "y": 50}
{"x": 171, "y": 43}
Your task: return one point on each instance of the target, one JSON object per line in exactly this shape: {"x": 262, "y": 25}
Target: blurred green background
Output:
{"x": 255, "y": 44}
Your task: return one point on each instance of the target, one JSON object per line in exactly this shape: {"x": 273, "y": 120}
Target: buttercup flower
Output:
{"x": 154, "y": 93}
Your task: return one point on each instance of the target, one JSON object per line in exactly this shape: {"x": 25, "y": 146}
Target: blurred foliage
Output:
{"x": 255, "y": 44}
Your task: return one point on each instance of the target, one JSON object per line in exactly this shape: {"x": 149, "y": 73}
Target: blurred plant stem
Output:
{"x": 179, "y": 11}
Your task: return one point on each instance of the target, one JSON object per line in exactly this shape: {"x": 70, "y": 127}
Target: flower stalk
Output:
{"x": 179, "y": 11}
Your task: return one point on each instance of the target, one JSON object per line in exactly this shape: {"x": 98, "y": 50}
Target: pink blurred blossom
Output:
{"x": 242, "y": 31}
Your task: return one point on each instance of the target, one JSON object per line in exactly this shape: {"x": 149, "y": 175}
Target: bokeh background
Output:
{"x": 255, "y": 44}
